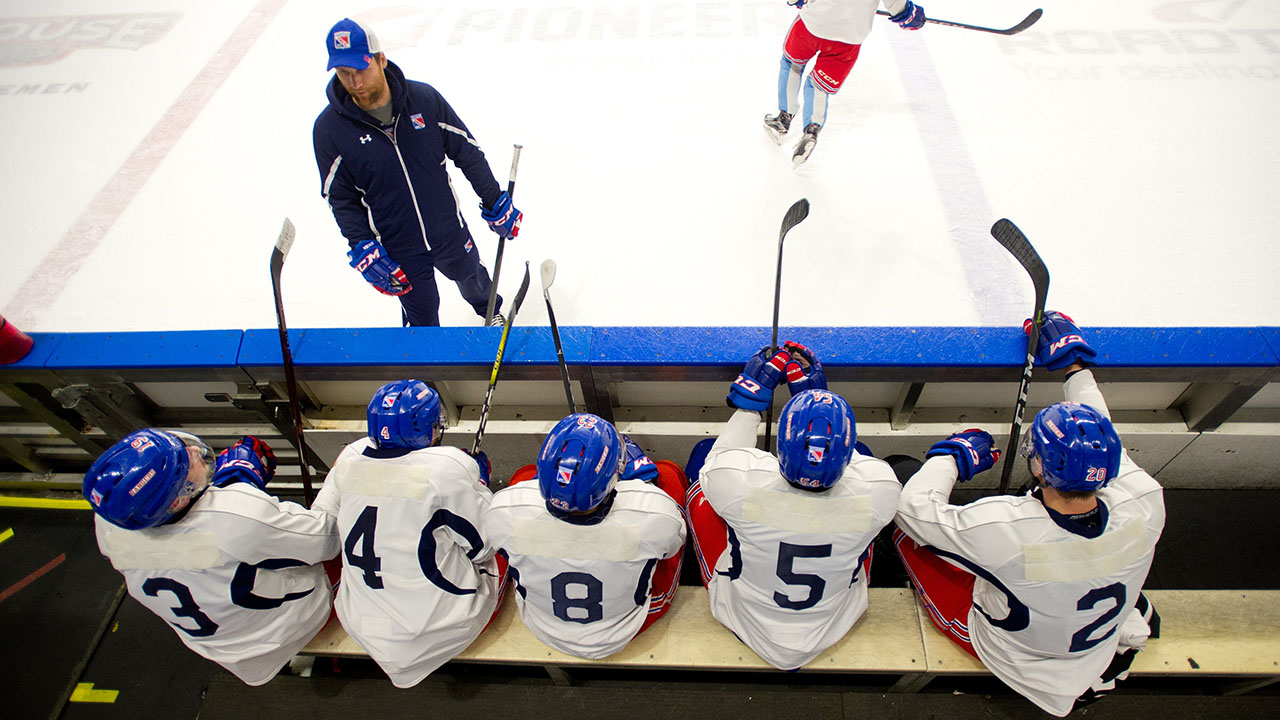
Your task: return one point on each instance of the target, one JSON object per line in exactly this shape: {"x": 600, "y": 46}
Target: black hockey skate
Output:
{"x": 804, "y": 148}
{"x": 777, "y": 125}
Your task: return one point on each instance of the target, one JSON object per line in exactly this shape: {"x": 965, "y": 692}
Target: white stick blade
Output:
{"x": 285, "y": 241}
{"x": 548, "y": 273}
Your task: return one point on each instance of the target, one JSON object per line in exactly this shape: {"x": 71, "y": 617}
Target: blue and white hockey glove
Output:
{"x": 804, "y": 373}
{"x": 911, "y": 17}
{"x": 797, "y": 4}
{"x": 1061, "y": 343}
{"x": 486, "y": 469}
{"x": 971, "y": 449}
{"x": 753, "y": 390}
{"x": 379, "y": 270}
{"x": 503, "y": 217}
{"x": 249, "y": 460}
{"x": 639, "y": 466}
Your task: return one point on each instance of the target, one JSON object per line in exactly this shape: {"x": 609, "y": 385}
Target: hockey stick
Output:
{"x": 1008, "y": 235}
{"x": 283, "y": 244}
{"x": 497, "y": 262}
{"x": 1027, "y": 22}
{"x": 548, "y": 277}
{"x": 796, "y": 213}
{"x": 497, "y": 363}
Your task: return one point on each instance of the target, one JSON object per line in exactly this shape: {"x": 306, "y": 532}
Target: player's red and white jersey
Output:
{"x": 418, "y": 581}
{"x": 791, "y": 582}
{"x": 1048, "y": 598}
{"x": 584, "y": 589}
{"x": 237, "y": 577}
{"x": 847, "y": 21}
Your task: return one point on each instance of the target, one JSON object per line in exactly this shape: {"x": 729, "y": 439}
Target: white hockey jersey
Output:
{"x": 790, "y": 582}
{"x": 584, "y": 589}
{"x": 418, "y": 581}
{"x": 1048, "y": 598}
{"x": 237, "y": 577}
{"x": 847, "y": 21}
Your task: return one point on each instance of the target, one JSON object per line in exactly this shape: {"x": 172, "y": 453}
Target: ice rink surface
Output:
{"x": 152, "y": 148}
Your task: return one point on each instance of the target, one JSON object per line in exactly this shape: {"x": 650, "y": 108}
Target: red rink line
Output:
{"x": 68, "y": 256}
{"x": 32, "y": 577}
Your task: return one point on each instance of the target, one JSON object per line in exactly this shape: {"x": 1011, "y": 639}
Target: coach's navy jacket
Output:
{"x": 399, "y": 175}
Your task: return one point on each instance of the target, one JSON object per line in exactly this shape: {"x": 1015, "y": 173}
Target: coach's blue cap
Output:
{"x": 351, "y": 45}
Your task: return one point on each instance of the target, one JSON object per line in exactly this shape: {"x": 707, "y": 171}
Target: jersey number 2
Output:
{"x": 1080, "y": 640}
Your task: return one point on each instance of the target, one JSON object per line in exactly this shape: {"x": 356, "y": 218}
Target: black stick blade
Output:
{"x": 796, "y": 213}
{"x": 1012, "y": 239}
{"x": 1026, "y": 23}
{"x": 524, "y": 288}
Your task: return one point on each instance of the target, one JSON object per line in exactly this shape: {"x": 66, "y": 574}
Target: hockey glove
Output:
{"x": 753, "y": 390}
{"x": 249, "y": 460}
{"x": 371, "y": 259}
{"x": 639, "y": 466}
{"x": 804, "y": 372}
{"x": 797, "y": 4}
{"x": 486, "y": 469}
{"x": 911, "y": 17}
{"x": 503, "y": 217}
{"x": 1061, "y": 344}
{"x": 971, "y": 449}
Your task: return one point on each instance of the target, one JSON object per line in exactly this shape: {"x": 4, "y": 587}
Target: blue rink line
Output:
{"x": 633, "y": 346}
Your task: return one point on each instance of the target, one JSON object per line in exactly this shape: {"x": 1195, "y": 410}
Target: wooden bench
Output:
{"x": 1204, "y": 633}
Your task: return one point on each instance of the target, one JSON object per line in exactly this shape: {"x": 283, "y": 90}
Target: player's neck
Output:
{"x": 1055, "y": 501}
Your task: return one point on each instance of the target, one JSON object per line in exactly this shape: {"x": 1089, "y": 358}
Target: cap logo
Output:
{"x": 143, "y": 482}
{"x": 1054, "y": 428}
{"x": 342, "y": 40}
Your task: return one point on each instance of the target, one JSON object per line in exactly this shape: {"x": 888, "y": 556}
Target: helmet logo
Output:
{"x": 815, "y": 453}
{"x": 143, "y": 482}
{"x": 389, "y": 400}
{"x": 564, "y": 476}
{"x": 96, "y": 497}
{"x": 1054, "y": 428}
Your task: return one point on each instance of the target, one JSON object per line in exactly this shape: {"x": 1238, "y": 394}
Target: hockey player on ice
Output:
{"x": 784, "y": 543}
{"x": 594, "y": 541}
{"x": 418, "y": 581}
{"x": 235, "y": 571}
{"x": 1044, "y": 589}
{"x": 832, "y": 30}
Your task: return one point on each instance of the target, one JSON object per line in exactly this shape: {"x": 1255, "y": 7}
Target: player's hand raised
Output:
{"x": 1061, "y": 344}
{"x": 753, "y": 390}
{"x": 804, "y": 371}
{"x": 249, "y": 460}
{"x": 971, "y": 449}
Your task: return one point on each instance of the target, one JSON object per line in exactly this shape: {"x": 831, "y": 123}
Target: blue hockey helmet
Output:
{"x": 405, "y": 414}
{"x": 816, "y": 439}
{"x": 579, "y": 463}
{"x": 139, "y": 482}
{"x": 1076, "y": 447}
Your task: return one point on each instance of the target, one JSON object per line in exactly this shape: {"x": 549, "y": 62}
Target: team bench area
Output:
{"x": 1205, "y": 634}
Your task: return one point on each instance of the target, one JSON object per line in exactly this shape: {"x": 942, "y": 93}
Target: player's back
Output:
{"x": 236, "y": 577}
{"x": 793, "y": 580}
{"x": 584, "y": 588}
{"x": 418, "y": 581}
{"x": 1051, "y": 593}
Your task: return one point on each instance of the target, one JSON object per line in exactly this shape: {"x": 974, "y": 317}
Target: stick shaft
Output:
{"x": 497, "y": 261}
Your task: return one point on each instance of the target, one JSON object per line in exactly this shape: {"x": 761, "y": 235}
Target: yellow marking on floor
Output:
{"x": 84, "y": 692}
{"x": 46, "y": 503}
{"x": 6, "y": 535}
